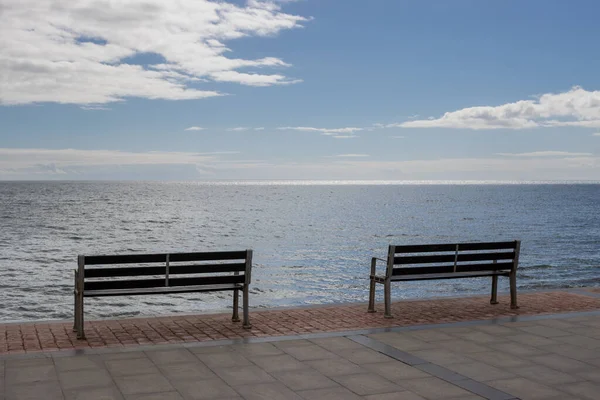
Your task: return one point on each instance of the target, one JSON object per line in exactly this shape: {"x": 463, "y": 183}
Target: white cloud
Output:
{"x": 576, "y": 107}
{"x": 546, "y": 154}
{"x": 325, "y": 131}
{"x": 260, "y": 128}
{"x": 238, "y": 129}
{"x": 344, "y": 136}
{"x": 82, "y": 52}
{"x": 596, "y": 134}
{"x": 195, "y": 128}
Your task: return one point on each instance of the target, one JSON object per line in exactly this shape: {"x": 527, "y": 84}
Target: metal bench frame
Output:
{"x": 168, "y": 282}
{"x": 457, "y": 262}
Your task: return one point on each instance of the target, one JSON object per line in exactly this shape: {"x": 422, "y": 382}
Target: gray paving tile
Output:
{"x": 245, "y": 375}
{"x": 395, "y": 371}
{"x": 312, "y": 352}
{"x": 461, "y": 346}
{"x": 223, "y": 359}
{"x": 125, "y": 355}
{"x": 283, "y": 344}
{"x": 283, "y": 362}
{"x": 572, "y": 351}
{"x": 545, "y": 331}
{"x": 336, "y": 393}
{"x": 257, "y": 349}
{"x": 336, "y": 344}
{"x": 585, "y": 390}
{"x": 480, "y": 371}
{"x": 559, "y": 323}
{"x": 30, "y": 374}
{"x": 94, "y": 393}
{"x": 365, "y": 384}
{"x": 580, "y": 340}
{"x": 434, "y": 388}
{"x": 136, "y": 366}
{"x": 405, "y": 395}
{"x": 517, "y": 349}
{"x": 335, "y": 367}
{"x": 545, "y": 375}
{"x": 402, "y": 341}
{"x": 497, "y": 330}
{"x": 206, "y": 389}
{"x": 195, "y": 370}
{"x": 560, "y": 363}
{"x": 304, "y": 379}
{"x": 171, "y": 356}
{"x": 499, "y": 359}
{"x": 479, "y": 337}
{"x": 28, "y": 362}
{"x": 155, "y": 396}
{"x": 365, "y": 356}
{"x": 149, "y": 383}
{"x": 267, "y": 391}
{"x": 532, "y": 340}
{"x": 77, "y": 363}
{"x": 443, "y": 356}
{"x": 85, "y": 378}
{"x": 525, "y": 388}
{"x": 482, "y": 391}
{"x": 49, "y": 390}
{"x": 430, "y": 335}
{"x": 210, "y": 349}
{"x": 592, "y": 374}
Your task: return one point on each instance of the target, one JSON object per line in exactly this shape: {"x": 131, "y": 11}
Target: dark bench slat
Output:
{"x": 430, "y": 248}
{"x": 442, "y": 258}
{"x": 162, "y": 270}
{"x": 452, "y": 275}
{"x": 149, "y": 258}
{"x": 160, "y": 283}
{"x": 177, "y": 289}
{"x": 439, "y": 269}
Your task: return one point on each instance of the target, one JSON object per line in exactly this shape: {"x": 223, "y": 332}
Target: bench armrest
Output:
{"x": 374, "y": 265}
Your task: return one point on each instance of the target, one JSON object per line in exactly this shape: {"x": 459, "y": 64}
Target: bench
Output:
{"x": 447, "y": 261}
{"x": 162, "y": 274}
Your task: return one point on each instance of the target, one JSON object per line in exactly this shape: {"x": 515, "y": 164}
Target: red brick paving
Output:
{"x": 31, "y": 337}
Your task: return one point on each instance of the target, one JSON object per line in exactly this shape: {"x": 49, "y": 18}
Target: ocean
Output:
{"x": 312, "y": 241}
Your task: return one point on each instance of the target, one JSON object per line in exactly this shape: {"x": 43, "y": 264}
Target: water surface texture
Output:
{"x": 312, "y": 242}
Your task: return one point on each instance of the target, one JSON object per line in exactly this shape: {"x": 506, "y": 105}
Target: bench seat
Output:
{"x": 446, "y": 261}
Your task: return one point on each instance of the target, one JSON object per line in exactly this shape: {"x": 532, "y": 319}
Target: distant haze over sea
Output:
{"x": 312, "y": 240}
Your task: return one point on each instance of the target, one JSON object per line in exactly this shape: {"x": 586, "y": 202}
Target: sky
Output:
{"x": 305, "y": 89}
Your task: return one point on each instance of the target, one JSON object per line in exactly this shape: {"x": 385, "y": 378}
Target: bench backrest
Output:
{"x": 454, "y": 257}
{"x": 176, "y": 269}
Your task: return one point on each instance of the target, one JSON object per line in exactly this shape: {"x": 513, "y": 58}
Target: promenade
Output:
{"x": 459, "y": 348}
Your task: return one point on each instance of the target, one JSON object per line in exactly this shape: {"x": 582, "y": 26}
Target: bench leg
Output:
{"x": 372, "y": 287}
{"x": 75, "y": 311}
{"x": 80, "y": 331}
{"x": 236, "y": 300}
{"x": 246, "y": 317}
{"x": 494, "y": 299}
{"x": 513, "y": 290}
{"x": 388, "y": 299}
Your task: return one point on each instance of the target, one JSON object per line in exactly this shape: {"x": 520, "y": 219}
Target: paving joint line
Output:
{"x": 454, "y": 378}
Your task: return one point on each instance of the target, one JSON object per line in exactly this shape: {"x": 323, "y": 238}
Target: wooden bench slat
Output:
{"x": 442, "y": 258}
{"x": 175, "y": 257}
{"x": 430, "y": 248}
{"x": 453, "y": 275}
{"x": 178, "y": 289}
{"x": 160, "y": 283}
{"x": 440, "y": 269}
{"x": 162, "y": 270}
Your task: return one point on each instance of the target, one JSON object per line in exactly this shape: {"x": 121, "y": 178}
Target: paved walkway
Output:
{"x": 553, "y": 357}
{"x": 35, "y": 337}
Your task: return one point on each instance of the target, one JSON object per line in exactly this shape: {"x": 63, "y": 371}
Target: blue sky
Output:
{"x": 308, "y": 89}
